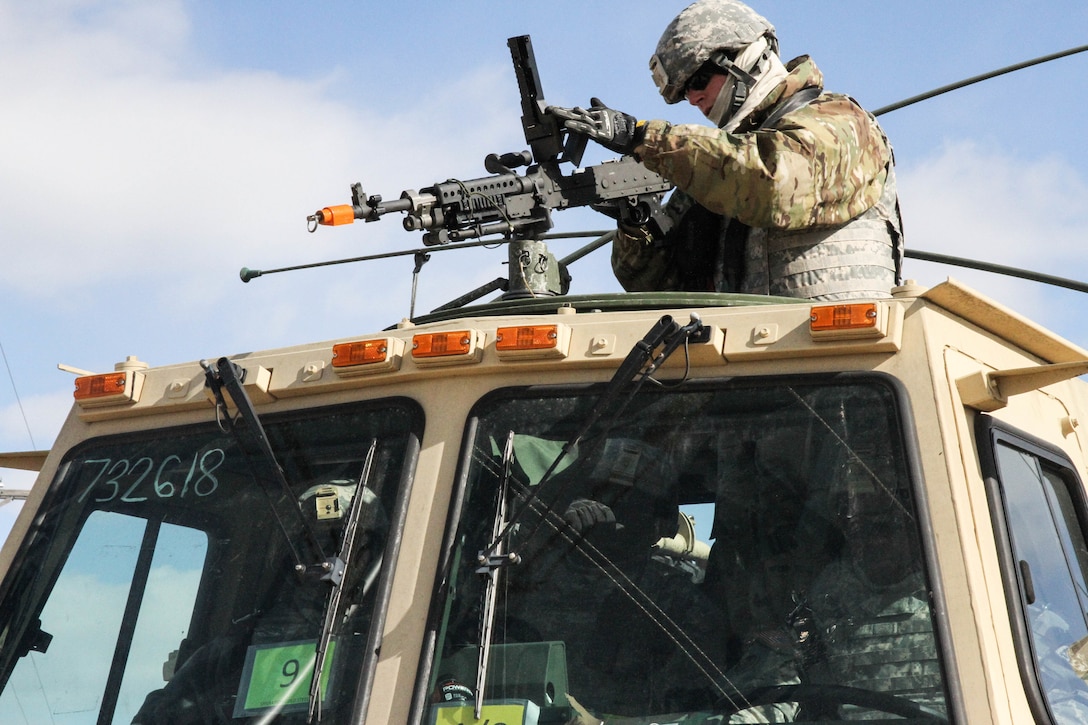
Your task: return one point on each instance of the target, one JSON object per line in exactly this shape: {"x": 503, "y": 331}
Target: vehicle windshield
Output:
{"x": 161, "y": 581}
{"x": 739, "y": 552}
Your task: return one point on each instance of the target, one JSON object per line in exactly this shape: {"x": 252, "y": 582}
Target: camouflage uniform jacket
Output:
{"x": 875, "y": 638}
{"x": 754, "y": 208}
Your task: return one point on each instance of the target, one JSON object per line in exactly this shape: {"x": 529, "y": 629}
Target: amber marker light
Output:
{"x": 119, "y": 387}
{"x": 535, "y": 337}
{"x": 442, "y": 344}
{"x": 362, "y": 352}
{"x": 851, "y": 320}
{"x": 532, "y": 341}
{"x": 857, "y": 316}
{"x": 362, "y": 357}
{"x": 95, "y": 387}
{"x": 452, "y": 347}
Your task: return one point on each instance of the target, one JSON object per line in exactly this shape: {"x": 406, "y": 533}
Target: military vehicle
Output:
{"x": 567, "y": 508}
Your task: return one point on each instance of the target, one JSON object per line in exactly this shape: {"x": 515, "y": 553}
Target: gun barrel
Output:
{"x": 404, "y": 203}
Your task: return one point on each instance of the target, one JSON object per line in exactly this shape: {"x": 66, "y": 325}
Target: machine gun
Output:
{"x": 518, "y": 206}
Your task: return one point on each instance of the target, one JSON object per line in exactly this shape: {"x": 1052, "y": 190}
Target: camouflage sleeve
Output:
{"x": 638, "y": 263}
{"x": 641, "y": 261}
{"x": 822, "y": 166}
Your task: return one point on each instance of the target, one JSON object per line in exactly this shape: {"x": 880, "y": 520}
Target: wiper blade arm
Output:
{"x": 338, "y": 568}
{"x": 641, "y": 362}
{"x": 228, "y": 376}
{"x": 491, "y": 565}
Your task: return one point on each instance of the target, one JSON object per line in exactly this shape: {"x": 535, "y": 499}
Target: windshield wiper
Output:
{"x": 338, "y": 567}
{"x": 228, "y": 376}
{"x": 647, "y": 355}
{"x": 491, "y": 566}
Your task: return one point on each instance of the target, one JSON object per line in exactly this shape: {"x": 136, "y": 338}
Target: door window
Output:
{"x": 1040, "y": 503}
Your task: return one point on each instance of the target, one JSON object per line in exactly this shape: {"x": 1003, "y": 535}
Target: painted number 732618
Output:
{"x": 135, "y": 480}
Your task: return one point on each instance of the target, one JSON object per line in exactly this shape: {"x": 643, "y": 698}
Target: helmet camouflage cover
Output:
{"x": 696, "y": 33}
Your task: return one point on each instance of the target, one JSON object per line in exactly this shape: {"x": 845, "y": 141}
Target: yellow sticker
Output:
{"x": 510, "y": 712}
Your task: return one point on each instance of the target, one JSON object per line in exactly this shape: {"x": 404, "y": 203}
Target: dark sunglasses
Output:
{"x": 701, "y": 78}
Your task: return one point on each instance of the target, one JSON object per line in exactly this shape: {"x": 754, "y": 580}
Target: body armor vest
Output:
{"x": 861, "y": 258}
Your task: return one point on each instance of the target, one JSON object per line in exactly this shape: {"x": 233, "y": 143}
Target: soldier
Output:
{"x": 870, "y": 608}
{"x": 792, "y": 194}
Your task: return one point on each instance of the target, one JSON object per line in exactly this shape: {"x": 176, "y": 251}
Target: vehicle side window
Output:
{"x": 148, "y": 567}
{"x": 1039, "y": 503}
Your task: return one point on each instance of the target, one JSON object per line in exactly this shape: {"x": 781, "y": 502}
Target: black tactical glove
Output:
{"x": 584, "y": 513}
{"x": 615, "y": 130}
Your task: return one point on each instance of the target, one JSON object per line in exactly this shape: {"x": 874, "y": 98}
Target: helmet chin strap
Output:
{"x": 723, "y": 104}
{"x": 745, "y": 89}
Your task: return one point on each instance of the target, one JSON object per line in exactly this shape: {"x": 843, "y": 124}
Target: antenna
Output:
{"x": 996, "y": 269}
{"x": 976, "y": 79}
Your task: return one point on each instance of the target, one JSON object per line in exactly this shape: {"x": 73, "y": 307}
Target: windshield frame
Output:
{"x": 54, "y": 514}
{"x": 900, "y": 402}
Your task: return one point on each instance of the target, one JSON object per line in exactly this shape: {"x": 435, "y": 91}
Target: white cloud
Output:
{"x": 103, "y": 37}
{"x": 985, "y": 204}
{"x": 44, "y": 415}
{"x": 973, "y": 200}
{"x": 118, "y": 167}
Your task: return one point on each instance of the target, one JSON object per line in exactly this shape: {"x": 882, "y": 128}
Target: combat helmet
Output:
{"x": 696, "y": 34}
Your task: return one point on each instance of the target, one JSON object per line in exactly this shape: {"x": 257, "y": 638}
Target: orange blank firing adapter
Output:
{"x": 332, "y": 216}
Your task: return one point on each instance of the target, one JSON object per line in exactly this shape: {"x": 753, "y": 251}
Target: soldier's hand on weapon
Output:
{"x": 635, "y": 213}
{"x": 615, "y": 130}
{"x": 583, "y": 514}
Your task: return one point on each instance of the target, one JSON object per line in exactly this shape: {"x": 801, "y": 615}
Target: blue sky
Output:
{"x": 151, "y": 148}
